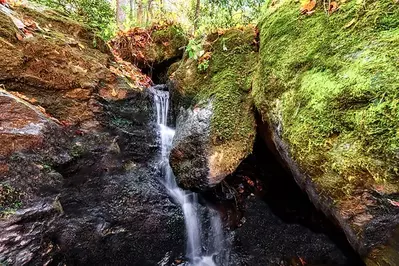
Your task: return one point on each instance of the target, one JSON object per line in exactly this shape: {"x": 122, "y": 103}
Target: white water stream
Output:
{"x": 199, "y": 251}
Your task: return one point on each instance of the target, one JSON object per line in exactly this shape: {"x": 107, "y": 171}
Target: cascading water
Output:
{"x": 200, "y": 251}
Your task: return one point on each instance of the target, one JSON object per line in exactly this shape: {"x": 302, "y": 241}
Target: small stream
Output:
{"x": 202, "y": 248}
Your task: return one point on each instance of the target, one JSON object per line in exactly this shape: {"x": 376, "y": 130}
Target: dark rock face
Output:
{"x": 368, "y": 220}
{"x": 93, "y": 198}
{"x": 189, "y": 156}
{"x": 265, "y": 239}
{"x": 276, "y": 224}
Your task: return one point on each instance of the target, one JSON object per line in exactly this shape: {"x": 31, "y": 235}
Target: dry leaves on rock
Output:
{"x": 308, "y": 7}
{"x": 333, "y": 7}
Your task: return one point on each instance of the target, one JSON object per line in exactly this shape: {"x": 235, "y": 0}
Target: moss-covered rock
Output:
{"x": 7, "y": 31}
{"x": 224, "y": 77}
{"x": 328, "y": 86}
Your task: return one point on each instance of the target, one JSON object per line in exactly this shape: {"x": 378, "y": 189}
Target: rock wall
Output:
{"x": 78, "y": 175}
{"x": 326, "y": 87}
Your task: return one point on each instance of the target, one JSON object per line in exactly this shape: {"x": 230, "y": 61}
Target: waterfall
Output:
{"x": 199, "y": 251}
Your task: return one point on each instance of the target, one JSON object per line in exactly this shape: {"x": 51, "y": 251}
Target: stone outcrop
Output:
{"x": 62, "y": 68}
{"x": 78, "y": 181}
{"x": 326, "y": 90}
{"x": 22, "y": 125}
{"x": 219, "y": 82}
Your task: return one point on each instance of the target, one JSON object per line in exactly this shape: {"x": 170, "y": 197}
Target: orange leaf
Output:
{"x": 333, "y": 7}
{"x": 394, "y": 203}
{"x": 308, "y": 6}
{"x": 19, "y": 36}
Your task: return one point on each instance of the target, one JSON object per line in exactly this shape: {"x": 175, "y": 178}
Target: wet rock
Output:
{"x": 93, "y": 198}
{"x": 79, "y": 185}
{"x": 119, "y": 220}
{"x": 226, "y": 83}
{"x": 190, "y": 152}
{"x": 21, "y": 124}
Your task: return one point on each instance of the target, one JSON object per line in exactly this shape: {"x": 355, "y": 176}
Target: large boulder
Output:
{"x": 63, "y": 67}
{"x": 219, "y": 122}
{"x": 326, "y": 89}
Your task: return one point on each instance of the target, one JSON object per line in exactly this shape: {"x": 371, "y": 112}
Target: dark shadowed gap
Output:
{"x": 158, "y": 72}
{"x": 292, "y": 205}
{"x": 292, "y": 220}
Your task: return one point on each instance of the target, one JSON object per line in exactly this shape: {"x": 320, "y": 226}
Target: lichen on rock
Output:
{"x": 226, "y": 82}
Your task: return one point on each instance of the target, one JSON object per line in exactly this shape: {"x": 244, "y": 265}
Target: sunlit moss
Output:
{"x": 226, "y": 81}
{"x": 331, "y": 82}
{"x": 10, "y": 200}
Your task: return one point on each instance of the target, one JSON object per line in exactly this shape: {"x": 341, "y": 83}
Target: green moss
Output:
{"x": 167, "y": 43}
{"x": 331, "y": 82}
{"x": 10, "y": 200}
{"x": 8, "y": 30}
{"x": 226, "y": 81}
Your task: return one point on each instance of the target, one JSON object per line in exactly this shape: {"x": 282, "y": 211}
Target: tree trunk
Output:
{"x": 197, "y": 13}
{"x": 139, "y": 12}
{"x": 118, "y": 14}
{"x": 149, "y": 11}
{"x": 131, "y": 2}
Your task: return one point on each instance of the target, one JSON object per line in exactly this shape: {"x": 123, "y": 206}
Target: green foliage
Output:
{"x": 203, "y": 66}
{"x": 194, "y": 49}
{"x": 226, "y": 14}
{"x": 98, "y": 14}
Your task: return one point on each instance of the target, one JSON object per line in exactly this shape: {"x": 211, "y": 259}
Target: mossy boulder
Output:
{"x": 149, "y": 47}
{"x": 220, "y": 81}
{"x": 327, "y": 85}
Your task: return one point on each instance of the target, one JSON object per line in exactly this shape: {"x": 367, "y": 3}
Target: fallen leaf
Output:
{"x": 205, "y": 56}
{"x": 19, "y": 36}
{"x": 333, "y": 7}
{"x": 308, "y": 6}
{"x": 394, "y": 203}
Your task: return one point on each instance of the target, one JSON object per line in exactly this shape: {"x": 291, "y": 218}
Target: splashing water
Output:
{"x": 198, "y": 252}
